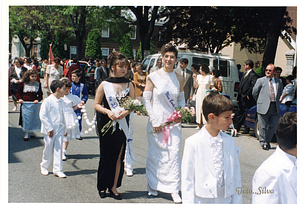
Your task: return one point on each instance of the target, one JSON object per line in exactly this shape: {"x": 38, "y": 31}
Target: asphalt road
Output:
{"x": 27, "y": 185}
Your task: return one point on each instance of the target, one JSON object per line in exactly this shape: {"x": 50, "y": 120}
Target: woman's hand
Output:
{"x": 46, "y": 85}
{"x": 21, "y": 101}
{"x": 123, "y": 114}
{"x": 36, "y": 101}
{"x": 158, "y": 129}
{"x": 177, "y": 120}
{"x": 111, "y": 115}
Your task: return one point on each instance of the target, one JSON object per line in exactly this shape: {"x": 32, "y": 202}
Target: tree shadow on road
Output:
{"x": 17, "y": 144}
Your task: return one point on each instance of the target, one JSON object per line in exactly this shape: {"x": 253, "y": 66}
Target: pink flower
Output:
{"x": 186, "y": 108}
{"x": 193, "y": 111}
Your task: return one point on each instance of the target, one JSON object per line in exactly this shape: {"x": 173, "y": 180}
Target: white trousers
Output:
{"x": 53, "y": 145}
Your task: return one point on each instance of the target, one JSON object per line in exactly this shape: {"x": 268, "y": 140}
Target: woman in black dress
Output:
{"x": 112, "y": 143}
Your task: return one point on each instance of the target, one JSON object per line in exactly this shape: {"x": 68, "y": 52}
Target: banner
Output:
{"x": 30, "y": 116}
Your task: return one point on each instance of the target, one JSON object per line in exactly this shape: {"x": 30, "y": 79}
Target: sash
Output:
{"x": 155, "y": 78}
{"x": 116, "y": 108}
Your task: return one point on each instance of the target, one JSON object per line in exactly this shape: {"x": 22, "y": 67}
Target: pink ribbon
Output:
{"x": 166, "y": 129}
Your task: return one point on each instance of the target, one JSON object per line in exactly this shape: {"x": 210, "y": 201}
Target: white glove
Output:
{"x": 147, "y": 96}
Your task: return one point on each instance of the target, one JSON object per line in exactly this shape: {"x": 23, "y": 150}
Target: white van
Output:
{"x": 226, "y": 65}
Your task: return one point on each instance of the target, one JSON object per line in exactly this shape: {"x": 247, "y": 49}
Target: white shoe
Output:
{"x": 176, "y": 198}
{"x": 64, "y": 157}
{"x": 60, "y": 175}
{"x": 129, "y": 173}
{"x": 44, "y": 171}
{"x": 14, "y": 109}
{"x": 151, "y": 192}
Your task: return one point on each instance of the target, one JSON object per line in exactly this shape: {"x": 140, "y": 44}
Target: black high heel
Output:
{"x": 117, "y": 197}
{"x": 102, "y": 194}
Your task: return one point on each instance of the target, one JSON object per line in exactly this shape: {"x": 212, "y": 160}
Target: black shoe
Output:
{"x": 269, "y": 146}
{"x": 266, "y": 147}
{"x": 117, "y": 197}
{"x": 79, "y": 138}
{"x": 102, "y": 194}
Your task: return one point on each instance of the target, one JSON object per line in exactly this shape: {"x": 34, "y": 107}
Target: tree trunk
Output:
{"x": 272, "y": 37}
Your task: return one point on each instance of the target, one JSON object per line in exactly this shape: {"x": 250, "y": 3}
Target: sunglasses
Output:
{"x": 268, "y": 70}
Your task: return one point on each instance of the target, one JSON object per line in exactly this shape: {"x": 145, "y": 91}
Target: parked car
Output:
{"x": 89, "y": 80}
{"x": 226, "y": 65}
{"x": 82, "y": 65}
{"x": 251, "y": 117}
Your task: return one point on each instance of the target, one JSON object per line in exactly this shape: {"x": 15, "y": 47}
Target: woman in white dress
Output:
{"x": 203, "y": 82}
{"x": 163, "y": 94}
{"x": 53, "y": 72}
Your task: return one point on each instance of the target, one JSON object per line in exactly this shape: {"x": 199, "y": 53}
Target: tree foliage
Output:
{"x": 93, "y": 44}
{"x": 126, "y": 46}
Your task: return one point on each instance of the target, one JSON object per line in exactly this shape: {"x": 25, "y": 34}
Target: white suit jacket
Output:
{"x": 52, "y": 116}
{"x": 198, "y": 171}
{"x": 275, "y": 181}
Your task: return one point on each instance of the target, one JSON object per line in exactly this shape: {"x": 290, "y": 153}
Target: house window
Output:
{"x": 132, "y": 31}
{"x": 105, "y": 53}
{"x": 105, "y": 32}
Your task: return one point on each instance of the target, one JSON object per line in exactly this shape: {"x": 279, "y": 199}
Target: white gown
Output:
{"x": 70, "y": 116}
{"x": 163, "y": 162}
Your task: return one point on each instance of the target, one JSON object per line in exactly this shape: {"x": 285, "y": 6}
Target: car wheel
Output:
{"x": 256, "y": 129}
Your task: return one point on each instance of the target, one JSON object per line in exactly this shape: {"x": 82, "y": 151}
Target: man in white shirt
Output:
{"x": 275, "y": 181}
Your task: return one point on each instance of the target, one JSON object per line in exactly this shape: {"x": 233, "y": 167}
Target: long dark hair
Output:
{"x": 27, "y": 74}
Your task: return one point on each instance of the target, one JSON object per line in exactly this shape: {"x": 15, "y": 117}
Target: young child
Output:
{"x": 80, "y": 90}
{"x": 275, "y": 181}
{"x": 72, "y": 103}
{"x": 53, "y": 126}
{"x": 29, "y": 90}
{"x": 210, "y": 166}
{"x": 288, "y": 93}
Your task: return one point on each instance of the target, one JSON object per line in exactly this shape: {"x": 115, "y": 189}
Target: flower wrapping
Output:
{"x": 166, "y": 126}
{"x": 129, "y": 104}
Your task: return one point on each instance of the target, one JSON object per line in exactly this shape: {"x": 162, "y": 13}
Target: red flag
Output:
{"x": 51, "y": 58}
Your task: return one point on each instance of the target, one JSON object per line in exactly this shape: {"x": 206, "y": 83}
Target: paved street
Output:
{"x": 27, "y": 185}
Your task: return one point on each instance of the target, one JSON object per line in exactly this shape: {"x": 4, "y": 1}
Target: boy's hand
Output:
{"x": 36, "y": 101}
{"x": 82, "y": 102}
{"x": 21, "y": 101}
{"x": 50, "y": 134}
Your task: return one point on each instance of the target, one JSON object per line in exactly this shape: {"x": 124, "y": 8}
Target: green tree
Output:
{"x": 212, "y": 28}
{"x": 93, "y": 44}
{"x": 44, "y": 50}
{"x": 139, "y": 55}
{"x": 30, "y": 22}
{"x": 126, "y": 46}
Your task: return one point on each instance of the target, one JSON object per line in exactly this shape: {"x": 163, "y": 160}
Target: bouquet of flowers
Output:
{"x": 166, "y": 126}
{"x": 128, "y": 104}
{"x": 188, "y": 115}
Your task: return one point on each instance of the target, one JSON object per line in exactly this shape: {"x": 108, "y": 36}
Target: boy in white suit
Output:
{"x": 275, "y": 181}
{"x": 53, "y": 126}
{"x": 210, "y": 166}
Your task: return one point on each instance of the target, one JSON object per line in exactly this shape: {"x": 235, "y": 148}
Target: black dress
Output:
{"x": 110, "y": 148}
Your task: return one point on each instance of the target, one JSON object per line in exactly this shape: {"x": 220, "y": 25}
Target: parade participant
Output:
{"x": 29, "y": 90}
{"x": 72, "y": 103}
{"x": 139, "y": 79}
{"x": 202, "y": 82}
{"x": 16, "y": 73}
{"x": 275, "y": 181}
{"x": 80, "y": 90}
{"x": 163, "y": 94}
{"x": 113, "y": 143}
{"x": 53, "y": 128}
{"x": 53, "y": 72}
{"x": 210, "y": 165}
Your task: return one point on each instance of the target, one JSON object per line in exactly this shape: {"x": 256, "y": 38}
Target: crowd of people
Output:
{"x": 209, "y": 171}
